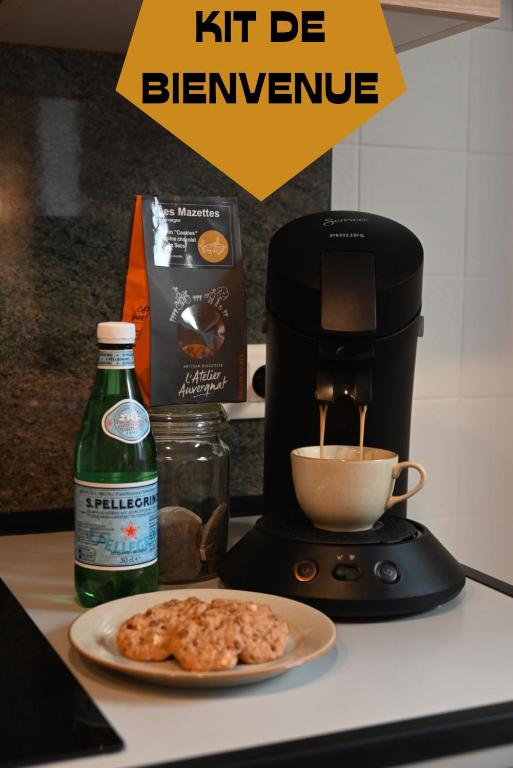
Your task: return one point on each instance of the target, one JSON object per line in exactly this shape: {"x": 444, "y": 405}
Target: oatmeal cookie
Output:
{"x": 204, "y": 637}
{"x": 144, "y": 638}
{"x": 264, "y": 635}
{"x": 172, "y": 610}
{"x": 264, "y": 638}
{"x": 147, "y": 636}
{"x": 208, "y": 642}
{"x": 242, "y": 606}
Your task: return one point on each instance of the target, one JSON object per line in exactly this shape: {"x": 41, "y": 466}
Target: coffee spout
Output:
{"x": 335, "y": 382}
{"x": 329, "y": 387}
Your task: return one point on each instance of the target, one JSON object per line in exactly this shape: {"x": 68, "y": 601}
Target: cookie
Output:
{"x": 242, "y": 606}
{"x": 146, "y": 636}
{"x": 209, "y": 642}
{"x": 264, "y": 635}
{"x": 205, "y": 637}
{"x": 178, "y": 609}
{"x": 264, "y": 638}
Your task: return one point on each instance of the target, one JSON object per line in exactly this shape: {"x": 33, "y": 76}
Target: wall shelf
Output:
{"x": 106, "y": 25}
{"x": 416, "y": 22}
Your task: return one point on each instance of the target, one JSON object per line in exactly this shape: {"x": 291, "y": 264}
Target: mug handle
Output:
{"x": 396, "y": 471}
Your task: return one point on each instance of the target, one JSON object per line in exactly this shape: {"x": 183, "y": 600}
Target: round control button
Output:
{"x": 305, "y": 570}
{"x": 387, "y": 572}
{"x": 346, "y": 572}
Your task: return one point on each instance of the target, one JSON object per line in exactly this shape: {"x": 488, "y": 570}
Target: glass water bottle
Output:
{"x": 115, "y": 480}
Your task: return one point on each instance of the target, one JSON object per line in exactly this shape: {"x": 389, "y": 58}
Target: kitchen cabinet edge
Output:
{"x": 461, "y": 15}
{"x": 465, "y": 26}
{"x": 478, "y": 12}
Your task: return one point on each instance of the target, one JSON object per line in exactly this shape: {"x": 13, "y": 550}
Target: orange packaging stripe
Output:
{"x": 136, "y": 306}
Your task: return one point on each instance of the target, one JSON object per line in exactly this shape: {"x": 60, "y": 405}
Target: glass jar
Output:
{"x": 193, "y": 490}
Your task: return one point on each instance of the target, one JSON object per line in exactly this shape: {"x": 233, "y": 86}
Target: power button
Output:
{"x": 387, "y": 572}
{"x": 305, "y": 570}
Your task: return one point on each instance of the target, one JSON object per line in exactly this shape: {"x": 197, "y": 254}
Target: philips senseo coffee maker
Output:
{"x": 343, "y": 317}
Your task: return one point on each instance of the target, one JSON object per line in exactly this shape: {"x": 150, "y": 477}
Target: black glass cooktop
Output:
{"x": 45, "y": 714}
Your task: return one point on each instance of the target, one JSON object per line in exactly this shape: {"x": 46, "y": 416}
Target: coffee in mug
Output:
{"x": 349, "y": 488}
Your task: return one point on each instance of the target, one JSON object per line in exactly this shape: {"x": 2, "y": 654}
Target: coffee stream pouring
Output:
{"x": 343, "y": 305}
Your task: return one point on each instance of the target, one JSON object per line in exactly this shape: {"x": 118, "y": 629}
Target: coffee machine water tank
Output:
{"x": 343, "y": 316}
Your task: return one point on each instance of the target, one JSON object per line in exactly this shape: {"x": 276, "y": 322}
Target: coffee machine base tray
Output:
{"x": 396, "y": 568}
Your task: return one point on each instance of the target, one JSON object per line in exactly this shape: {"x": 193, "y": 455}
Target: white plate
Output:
{"x": 93, "y": 635}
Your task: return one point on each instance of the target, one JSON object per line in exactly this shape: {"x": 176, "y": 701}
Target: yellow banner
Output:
{"x": 261, "y": 89}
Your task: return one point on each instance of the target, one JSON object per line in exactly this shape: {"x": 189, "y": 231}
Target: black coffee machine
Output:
{"x": 343, "y": 317}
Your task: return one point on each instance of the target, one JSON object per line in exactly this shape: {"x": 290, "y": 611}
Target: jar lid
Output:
{"x": 188, "y": 419}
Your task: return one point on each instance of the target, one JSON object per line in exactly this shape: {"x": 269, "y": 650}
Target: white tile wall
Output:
{"x": 345, "y": 174}
{"x": 354, "y": 138}
{"x": 491, "y": 91}
{"x": 437, "y": 78}
{"x": 490, "y": 215}
{"x": 485, "y": 455}
{"x": 506, "y": 20}
{"x": 426, "y": 189}
{"x": 440, "y": 160}
{"x": 434, "y": 443}
{"x": 437, "y": 370}
{"x": 487, "y": 358}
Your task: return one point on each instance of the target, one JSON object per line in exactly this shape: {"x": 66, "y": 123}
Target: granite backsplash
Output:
{"x": 72, "y": 156}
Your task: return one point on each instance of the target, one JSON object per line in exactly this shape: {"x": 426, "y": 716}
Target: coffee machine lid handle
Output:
{"x": 348, "y": 292}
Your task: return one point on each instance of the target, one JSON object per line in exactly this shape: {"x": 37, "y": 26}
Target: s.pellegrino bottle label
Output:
{"x": 109, "y": 358}
{"x": 115, "y": 524}
{"x": 127, "y": 421}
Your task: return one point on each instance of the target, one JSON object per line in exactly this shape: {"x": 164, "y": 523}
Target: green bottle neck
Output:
{"x": 115, "y": 374}
{"x": 115, "y": 357}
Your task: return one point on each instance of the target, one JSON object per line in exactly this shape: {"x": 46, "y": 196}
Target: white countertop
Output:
{"x": 484, "y": 543}
{"x": 455, "y": 657}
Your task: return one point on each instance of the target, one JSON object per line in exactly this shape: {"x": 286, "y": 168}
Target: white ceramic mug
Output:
{"x": 342, "y": 492}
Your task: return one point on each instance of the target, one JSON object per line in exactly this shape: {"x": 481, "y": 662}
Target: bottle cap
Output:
{"x": 115, "y": 333}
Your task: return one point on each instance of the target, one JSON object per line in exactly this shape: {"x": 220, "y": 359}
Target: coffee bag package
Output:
{"x": 185, "y": 293}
